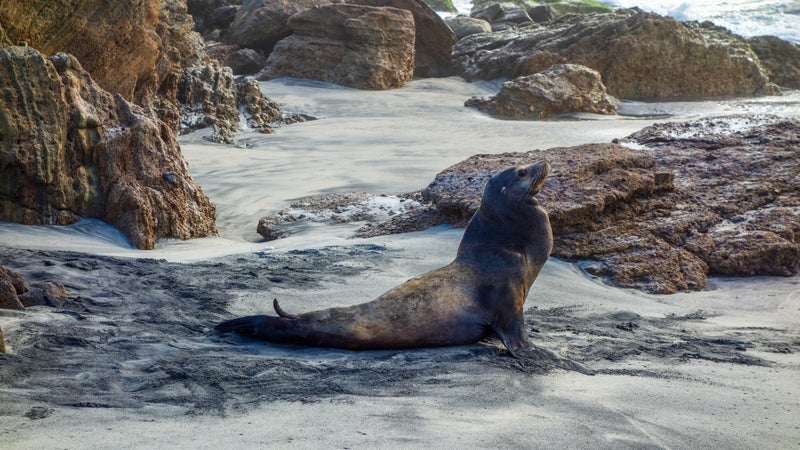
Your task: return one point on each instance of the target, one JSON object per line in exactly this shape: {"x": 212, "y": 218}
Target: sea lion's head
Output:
{"x": 517, "y": 186}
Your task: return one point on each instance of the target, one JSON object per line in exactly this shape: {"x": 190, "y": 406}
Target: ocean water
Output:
{"x": 744, "y": 17}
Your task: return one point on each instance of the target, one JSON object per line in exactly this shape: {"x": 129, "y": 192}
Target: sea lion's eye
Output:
{"x": 522, "y": 172}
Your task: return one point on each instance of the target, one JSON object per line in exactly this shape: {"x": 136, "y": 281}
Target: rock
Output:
{"x": 579, "y": 7}
{"x": 2, "y": 342}
{"x": 738, "y": 253}
{"x": 260, "y": 113}
{"x": 221, "y": 17}
{"x": 8, "y": 297}
{"x": 434, "y": 40}
{"x": 71, "y": 155}
{"x": 691, "y": 59}
{"x": 335, "y": 208}
{"x": 180, "y": 47}
{"x": 142, "y": 50}
{"x": 245, "y": 61}
{"x": 16, "y": 294}
{"x": 124, "y": 64}
{"x": 53, "y": 294}
{"x": 503, "y": 16}
{"x": 464, "y": 26}
{"x": 353, "y": 45}
{"x": 781, "y": 59}
{"x": 212, "y": 16}
{"x": 442, "y": 5}
{"x": 478, "y": 5}
{"x": 563, "y": 88}
{"x": 260, "y": 24}
{"x": 219, "y": 52}
{"x": 15, "y": 280}
{"x": 207, "y": 96}
{"x": 542, "y": 13}
{"x": 210, "y": 96}
{"x": 558, "y": 7}
{"x": 12, "y": 286}
{"x": 716, "y": 196}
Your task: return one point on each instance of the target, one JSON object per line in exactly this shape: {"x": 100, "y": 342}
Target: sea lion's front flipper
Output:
{"x": 512, "y": 333}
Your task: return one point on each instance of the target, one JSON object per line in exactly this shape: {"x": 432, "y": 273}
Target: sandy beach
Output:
{"x": 130, "y": 359}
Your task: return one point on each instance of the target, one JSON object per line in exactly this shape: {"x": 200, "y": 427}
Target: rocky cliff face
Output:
{"x": 71, "y": 149}
{"x": 639, "y": 55}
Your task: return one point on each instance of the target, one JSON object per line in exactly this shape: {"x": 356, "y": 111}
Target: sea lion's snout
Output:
{"x": 538, "y": 173}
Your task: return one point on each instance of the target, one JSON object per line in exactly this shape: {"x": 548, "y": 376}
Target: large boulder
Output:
{"x": 74, "y": 150}
{"x": 716, "y": 196}
{"x": 353, "y": 45}
{"x": 639, "y": 55}
{"x": 781, "y": 59}
{"x": 260, "y": 24}
{"x": 563, "y": 88}
{"x": 434, "y": 40}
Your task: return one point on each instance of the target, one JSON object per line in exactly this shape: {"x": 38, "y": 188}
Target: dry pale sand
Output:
{"x": 129, "y": 360}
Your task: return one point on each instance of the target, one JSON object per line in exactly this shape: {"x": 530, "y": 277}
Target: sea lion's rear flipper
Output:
{"x": 512, "y": 333}
{"x": 268, "y": 328}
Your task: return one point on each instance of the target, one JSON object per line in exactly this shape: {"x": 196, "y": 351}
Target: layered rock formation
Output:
{"x": 639, "y": 55}
{"x": 73, "y": 150}
{"x": 563, "y": 88}
{"x": 718, "y": 196}
{"x": 352, "y": 45}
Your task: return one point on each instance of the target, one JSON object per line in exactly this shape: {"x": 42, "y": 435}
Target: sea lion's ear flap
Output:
{"x": 503, "y": 191}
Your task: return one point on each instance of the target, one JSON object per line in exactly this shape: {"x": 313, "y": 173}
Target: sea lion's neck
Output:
{"x": 526, "y": 236}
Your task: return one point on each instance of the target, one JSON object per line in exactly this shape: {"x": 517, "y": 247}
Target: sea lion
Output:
{"x": 480, "y": 293}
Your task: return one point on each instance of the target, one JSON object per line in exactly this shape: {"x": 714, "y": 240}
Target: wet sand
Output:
{"x": 130, "y": 359}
